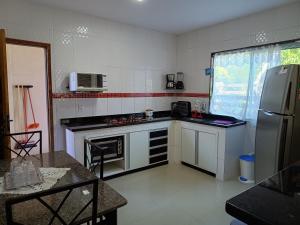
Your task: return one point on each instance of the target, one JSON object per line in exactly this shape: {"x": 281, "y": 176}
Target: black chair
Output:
{"x": 23, "y": 143}
{"x": 50, "y": 204}
{"x": 93, "y": 159}
{"x": 94, "y": 156}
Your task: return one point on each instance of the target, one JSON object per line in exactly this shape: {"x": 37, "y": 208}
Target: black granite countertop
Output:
{"x": 214, "y": 122}
{"x": 275, "y": 201}
{"x": 100, "y": 122}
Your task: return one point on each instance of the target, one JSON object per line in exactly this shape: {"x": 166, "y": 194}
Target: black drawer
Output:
{"x": 158, "y": 159}
{"x": 159, "y": 133}
{"x": 157, "y": 142}
{"x": 158, "y": 150}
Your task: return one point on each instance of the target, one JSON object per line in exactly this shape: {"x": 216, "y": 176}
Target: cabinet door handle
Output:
{"x": 196, "y": 148}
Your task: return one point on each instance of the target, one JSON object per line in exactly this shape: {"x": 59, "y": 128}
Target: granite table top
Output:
{"x": 275, "y": 201}
{"x": 108, "y": 199}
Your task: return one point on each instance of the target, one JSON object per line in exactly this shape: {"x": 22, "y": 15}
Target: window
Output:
{"x": 231, "y": 75}
{"x": 290, "y": 56}
{"x": 239, "y": 76}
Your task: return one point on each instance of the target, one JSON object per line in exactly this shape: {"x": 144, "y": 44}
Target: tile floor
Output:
{"x": 174, "y": 194}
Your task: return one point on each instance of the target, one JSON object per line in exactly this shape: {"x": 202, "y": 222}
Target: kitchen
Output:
{"x": 136, "y": 61}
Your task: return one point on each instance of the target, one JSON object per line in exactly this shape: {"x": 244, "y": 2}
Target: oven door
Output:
{"x": 114, "y": 149}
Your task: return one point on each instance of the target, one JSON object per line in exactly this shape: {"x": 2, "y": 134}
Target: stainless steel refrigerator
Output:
{"x": 278, "y": 125}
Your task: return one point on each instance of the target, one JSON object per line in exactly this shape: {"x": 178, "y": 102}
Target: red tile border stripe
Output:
{"x": 126, "y": 95}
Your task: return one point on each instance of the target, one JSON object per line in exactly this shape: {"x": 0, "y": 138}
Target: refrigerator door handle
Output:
{"x": 268, "y": 113}
{"x": 285, "y": 142}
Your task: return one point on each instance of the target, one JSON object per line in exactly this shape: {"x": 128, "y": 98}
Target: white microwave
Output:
{"x": 87, "y": 82}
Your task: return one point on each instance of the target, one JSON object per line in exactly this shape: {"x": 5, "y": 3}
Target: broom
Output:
{"x": 23, "y": 144}
{"x": 33, "y": 125}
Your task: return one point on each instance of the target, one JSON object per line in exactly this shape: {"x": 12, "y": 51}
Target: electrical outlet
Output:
{"x": 203, "y": 107}
{"x": 80, "y": 108}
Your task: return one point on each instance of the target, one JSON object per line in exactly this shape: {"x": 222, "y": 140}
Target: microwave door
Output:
{"x": 87, "y": 82}
{"x": 94, "y": 81}
{"x": 84, "y": 80}
{"x": 99, "y": 81}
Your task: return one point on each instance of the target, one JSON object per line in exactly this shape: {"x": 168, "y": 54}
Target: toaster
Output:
{"x": 181, "y": 109}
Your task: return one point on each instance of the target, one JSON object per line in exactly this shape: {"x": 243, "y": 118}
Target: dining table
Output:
{"x": 274, "y": 201}
{"x": 109, "y": 200}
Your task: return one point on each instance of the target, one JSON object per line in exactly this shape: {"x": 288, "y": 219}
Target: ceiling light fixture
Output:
{"x": 139, "y": 2}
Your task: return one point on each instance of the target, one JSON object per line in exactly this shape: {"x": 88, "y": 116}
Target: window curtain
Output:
{"x": 237, "y": 84}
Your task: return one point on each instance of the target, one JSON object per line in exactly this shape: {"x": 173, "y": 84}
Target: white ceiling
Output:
{"x": 172, "y": 16}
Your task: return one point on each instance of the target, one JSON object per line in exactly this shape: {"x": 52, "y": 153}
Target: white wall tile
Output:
{"x": 140, "y": 81}
{"x": 91, "y": 107}
{"x": 194, "y": 48}
{"x": 114, "y": 106}
{"x": 127, "y": 80}
{"x": 155, "y": 81}
{"x": 85, "y": 43}
{"x": 162, "y": 103}
{"x": 127, "y": 105}
{"x": 101, "y": 108}
{"x": 114, "y": 79}
{"x": 83, "y": 46}
{"x": 150, "y": 103}
{"x": 139, "y": 105}
{"x": 102, "y": 46}
{"x": 85, "y": 107}
{"x": 64, "y": 108}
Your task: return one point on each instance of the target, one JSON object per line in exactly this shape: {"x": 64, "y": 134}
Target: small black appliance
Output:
{"x": 179, "y": 83}
{"x": 181, "y": 109}
{"x": 171, "y": 84}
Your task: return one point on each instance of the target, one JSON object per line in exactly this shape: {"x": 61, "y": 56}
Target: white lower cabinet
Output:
{"x": 139, "y": 150}
{"x": 208, "y": 151}
{"x": 214, "y": 149}
{"x": 188, "y": 146}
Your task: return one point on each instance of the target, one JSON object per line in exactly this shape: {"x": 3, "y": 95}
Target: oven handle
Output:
{"x": 105, "y": 142}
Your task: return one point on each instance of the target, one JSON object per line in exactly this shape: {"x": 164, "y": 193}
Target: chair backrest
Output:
{"x": 68, "y": 205}
{"x": 22, "y": 144}
{"x": 89, "y": 156}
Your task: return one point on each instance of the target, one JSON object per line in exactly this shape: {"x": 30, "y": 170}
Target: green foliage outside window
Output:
{"x": 290, "y": 56}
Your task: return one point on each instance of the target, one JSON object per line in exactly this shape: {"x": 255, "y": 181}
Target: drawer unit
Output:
{"x": 158, "y": 150}
{"x": 159, "y": 133}
{"x": 158, "y": 146}
{"x": 158, "y": 142}
{"x": 159, "y": 158}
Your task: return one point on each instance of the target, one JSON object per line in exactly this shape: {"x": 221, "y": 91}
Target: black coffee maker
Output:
{"x": 171, "y": 84}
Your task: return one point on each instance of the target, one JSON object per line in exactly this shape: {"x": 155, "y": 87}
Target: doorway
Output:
{"x": 28, "y": 63}
{"x": 27, "y": 90}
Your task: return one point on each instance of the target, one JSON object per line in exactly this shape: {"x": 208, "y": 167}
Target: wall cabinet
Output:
{"x": 188, "y": 146}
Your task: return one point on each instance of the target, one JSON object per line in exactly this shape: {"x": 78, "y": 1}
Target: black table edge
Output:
{"x": 244, "y": 216}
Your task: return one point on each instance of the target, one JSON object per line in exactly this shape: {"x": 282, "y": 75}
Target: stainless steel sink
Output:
{"x": 197, "y": 119}
{"x": 222, "y": 122}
